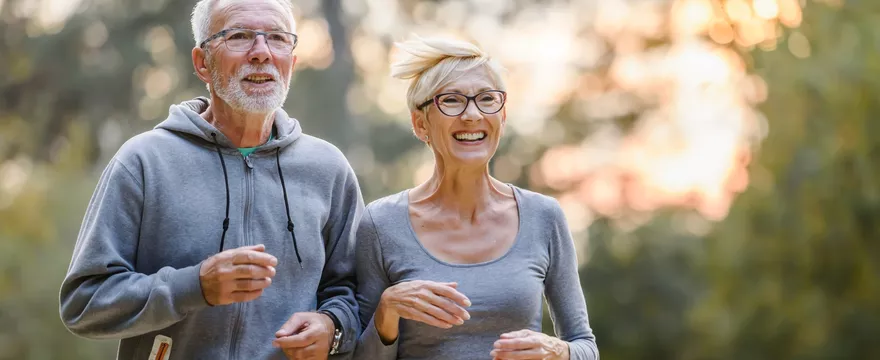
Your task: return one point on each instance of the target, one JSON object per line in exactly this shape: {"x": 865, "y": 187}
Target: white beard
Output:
{"x": 233, "y": 94}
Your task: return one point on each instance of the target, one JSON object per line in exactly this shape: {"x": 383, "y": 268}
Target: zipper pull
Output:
{"x": 247, "y": 161}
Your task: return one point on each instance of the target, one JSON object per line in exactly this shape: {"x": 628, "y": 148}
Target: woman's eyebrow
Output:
{"x": 455, "y": 90}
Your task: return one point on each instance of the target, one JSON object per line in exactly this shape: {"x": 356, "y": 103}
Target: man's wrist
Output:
{"x": 335, "y": 327}
{"x": 328, "y": 320}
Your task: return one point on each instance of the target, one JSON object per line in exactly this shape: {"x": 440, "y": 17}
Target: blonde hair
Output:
{"x": 432, "y": 63}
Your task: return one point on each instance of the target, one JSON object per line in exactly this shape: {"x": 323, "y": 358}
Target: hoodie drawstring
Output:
{"x": 226, "y": 179}
{"x": 283, "y": 189}
{"x": 287, "y": 206}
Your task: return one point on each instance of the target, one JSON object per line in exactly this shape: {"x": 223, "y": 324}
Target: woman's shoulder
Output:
{"x": 387, "y": 207}
{"x": 538, "y": 205}
{"x": 545, "y": 216}
{"x": 386, "y": 219}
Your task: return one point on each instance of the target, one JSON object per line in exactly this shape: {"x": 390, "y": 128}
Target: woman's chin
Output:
{"x": 471, "y": 158}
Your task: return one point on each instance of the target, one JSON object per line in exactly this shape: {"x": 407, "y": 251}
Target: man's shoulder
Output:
{"x": 146, "y": 144}
{"x": 320, "y": 151}
{"x": 313, "y": 143}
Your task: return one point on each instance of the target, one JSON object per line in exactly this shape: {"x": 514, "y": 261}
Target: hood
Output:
{"x": 184, "y": 118}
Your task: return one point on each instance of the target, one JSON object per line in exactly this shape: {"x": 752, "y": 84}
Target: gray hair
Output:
{"x": 201, "y": 18}
{"x": 432, "y": 63}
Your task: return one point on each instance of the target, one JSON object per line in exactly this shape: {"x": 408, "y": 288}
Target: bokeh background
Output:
{"x": 718, "y": 160}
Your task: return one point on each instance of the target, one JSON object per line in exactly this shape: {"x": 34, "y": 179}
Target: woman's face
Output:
{"x": 468, "y": 138}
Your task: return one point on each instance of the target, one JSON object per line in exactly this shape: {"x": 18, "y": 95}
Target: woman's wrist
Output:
{"x": 561, "y": 349}
{"x": 387, "y": 323}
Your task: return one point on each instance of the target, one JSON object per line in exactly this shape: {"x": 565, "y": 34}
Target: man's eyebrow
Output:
{"x": 240, "y": 26}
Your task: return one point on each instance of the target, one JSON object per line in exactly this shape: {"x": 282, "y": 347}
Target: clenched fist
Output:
{"x": 306, "y": 336}
{"x": 237, "y": 275}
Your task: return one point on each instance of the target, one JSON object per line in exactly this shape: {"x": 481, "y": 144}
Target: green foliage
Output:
{"x": 804, "y": 283}
{"x": 792, "y": 272}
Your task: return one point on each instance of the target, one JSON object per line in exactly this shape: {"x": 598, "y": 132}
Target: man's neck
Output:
{"x": 243, "y": 129}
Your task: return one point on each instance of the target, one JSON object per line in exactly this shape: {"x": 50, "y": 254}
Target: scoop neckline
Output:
{"x": 517, "y": 198}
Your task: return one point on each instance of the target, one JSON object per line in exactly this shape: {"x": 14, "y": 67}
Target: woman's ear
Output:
{"x": 419, "y": 125}
{"x": 503, "y": 120}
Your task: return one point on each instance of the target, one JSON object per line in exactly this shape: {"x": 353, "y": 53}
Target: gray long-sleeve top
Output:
{"x": 505, "y": 293}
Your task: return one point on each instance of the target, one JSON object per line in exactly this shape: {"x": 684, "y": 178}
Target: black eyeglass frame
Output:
{"x": 436, "y": 101}
{"x": 223, "y": 33}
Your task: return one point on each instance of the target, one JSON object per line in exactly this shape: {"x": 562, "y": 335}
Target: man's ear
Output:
{"x": 200, "y": 64}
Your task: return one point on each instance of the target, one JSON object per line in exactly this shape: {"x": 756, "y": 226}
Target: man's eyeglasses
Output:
{"x": 454, "y": 104}
{"x": 279, "y": 42}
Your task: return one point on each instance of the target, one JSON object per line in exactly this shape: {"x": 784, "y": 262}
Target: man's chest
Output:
{"x": 183, "y": 217}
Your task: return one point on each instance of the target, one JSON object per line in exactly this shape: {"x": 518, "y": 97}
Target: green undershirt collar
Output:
{"x": 247, "y": 151}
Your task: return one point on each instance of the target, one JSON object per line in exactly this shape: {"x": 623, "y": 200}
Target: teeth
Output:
{"x": 258, "y": 78}
{"x": 470, "y": 136}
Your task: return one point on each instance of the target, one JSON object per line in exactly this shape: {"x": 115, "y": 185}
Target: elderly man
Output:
{"x": 225, "y": 232}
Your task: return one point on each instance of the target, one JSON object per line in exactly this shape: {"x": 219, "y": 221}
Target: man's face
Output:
{"x": 256, "y": 80}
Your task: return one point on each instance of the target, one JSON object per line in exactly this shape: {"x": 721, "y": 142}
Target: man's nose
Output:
{"x": 260, "y": 51}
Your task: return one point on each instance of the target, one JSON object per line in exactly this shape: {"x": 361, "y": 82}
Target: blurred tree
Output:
{"x": 791, "y": 273}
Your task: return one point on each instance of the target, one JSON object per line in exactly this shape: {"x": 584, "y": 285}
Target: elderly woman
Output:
{"x": 456, "y": 267}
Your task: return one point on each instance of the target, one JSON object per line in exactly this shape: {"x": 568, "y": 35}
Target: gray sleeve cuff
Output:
{"x": 186, "y": 288}
{"x": 351, "y": 327}
{"x": 582, "y": 350}
{"x": 370, "y": 346}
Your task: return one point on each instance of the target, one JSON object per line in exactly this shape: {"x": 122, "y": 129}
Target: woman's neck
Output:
{"x": 460, "y": 192}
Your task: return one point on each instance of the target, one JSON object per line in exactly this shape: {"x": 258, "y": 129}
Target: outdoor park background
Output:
{"x": 718, "y": 160}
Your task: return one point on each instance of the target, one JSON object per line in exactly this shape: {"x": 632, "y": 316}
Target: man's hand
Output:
{"x": 529, "y": 345}
{"x": 236, "y": 275}
{"x": 307, "y": 335}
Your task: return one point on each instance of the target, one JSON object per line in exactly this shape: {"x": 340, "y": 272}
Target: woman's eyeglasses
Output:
{"x": 454, "y": 104}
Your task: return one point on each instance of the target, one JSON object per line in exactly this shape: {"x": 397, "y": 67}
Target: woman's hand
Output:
{"x": 433, "y": 303}
{"x": 529, "y": 345}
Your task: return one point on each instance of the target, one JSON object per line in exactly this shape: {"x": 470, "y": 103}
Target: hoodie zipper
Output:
{"x": 248, "y": 190}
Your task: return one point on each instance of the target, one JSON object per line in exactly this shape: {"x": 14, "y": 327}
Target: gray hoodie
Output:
{"x": 159, "y": 210}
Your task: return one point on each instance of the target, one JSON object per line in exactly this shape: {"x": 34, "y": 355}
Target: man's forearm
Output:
{"x": 128, "y": 304}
